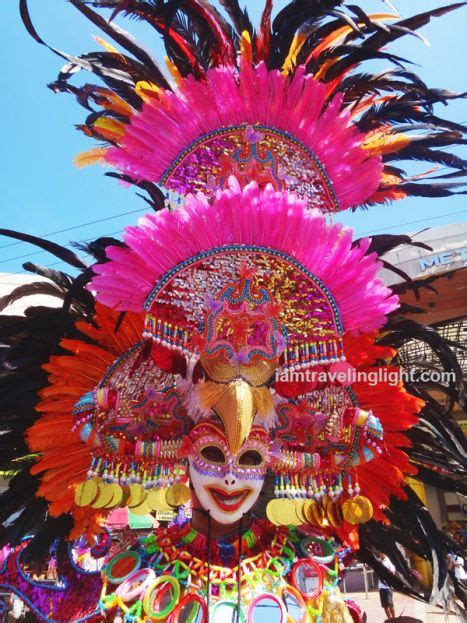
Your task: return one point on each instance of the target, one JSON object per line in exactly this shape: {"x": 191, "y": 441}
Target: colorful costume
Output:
{"x": 216, "y": 364}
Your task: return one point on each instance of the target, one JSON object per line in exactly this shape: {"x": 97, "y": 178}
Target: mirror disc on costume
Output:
{"x": 225, "y": 611}
{"x": 357, "y": 510}
{"x": 308, "y": 578}
{"x": 294, "y": 605}
{"x": 86, "y": 493}
{"x": 177, "y": 495}
{"x": 161, "y": 597}
{"x": 104, "y": 496}
{"x": 266, "y": 607}
{"x": 122, "y": 566}
{"x": 319, "y": 549}
{"x": 190, "y": 609}
{"x": 137, "y": 495}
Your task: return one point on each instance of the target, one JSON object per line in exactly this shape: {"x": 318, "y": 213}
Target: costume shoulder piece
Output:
{"x": 214, "y": 371}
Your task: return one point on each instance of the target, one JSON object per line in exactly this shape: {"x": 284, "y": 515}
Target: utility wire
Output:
{"x": 423, "y": 220}
{"x": 20, "y": 257}
{"x": 61, "y": 231}
{"x": 367, "y": 233}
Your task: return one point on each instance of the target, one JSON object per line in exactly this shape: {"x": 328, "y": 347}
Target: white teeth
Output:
{"x": 232, "y": 501}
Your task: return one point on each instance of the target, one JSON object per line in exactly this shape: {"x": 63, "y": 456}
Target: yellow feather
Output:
{"x": 109, "y": 128}
{"x": 93, "y": 156}
{"x": 295, "y": 47}
{"x": 384, "y": 142}
{"x": 245, "y": 48}
{"x": 112, "y": 101}
{"x": 337, "y": 37}
{"x": 146, "y": 90}
{"x": 324, "y": 67}
{"x": 107, "y": 46}
{"x": 176, "y": 75}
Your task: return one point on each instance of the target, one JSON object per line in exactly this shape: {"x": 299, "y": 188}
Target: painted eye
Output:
{"x": 251, "y": 458}
{"x": 213, "y": 454}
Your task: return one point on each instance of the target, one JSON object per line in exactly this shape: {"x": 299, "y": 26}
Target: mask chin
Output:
{"x": 226, "y": 498}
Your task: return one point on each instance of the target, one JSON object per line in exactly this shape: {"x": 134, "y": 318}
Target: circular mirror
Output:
{"x": 121, "y": 566}
{"x": 307, "y": 577}
{"x": 266, "y": 608}
{"x": 191, "y": 609}
{"x": 136, "y": 585}
{"x": 161, "y": 597}
{"x": 226, "y": 612}
{"x": 319, "y": 549}
{"x": 294, "y": 605}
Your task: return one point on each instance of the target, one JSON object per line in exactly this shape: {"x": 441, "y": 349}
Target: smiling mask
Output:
{"x": 227, "y": 484}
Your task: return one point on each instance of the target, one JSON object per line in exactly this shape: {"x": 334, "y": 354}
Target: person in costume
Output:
{"x": 182, "y": 383}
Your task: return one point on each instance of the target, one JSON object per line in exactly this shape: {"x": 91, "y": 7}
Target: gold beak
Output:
{"x": 236, "y": 408}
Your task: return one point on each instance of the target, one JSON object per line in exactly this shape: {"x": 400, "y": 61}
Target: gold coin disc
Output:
{"x": 162, "y": 500}
{"x": 151, "y": 499}
{"x": 271, "y": 510}
{"x": 137, "y": 495}
{"x": 141, "y": 509}
{"x": 357, "y": 510}
{"x": 306, "y": 510}
{"x": 156, "y": 500}
{"x": 177, "y": 494}
{"x": 284, "y": 513}
{"x": 299, "y": 505}
{"x": 117, "y": 496}
{"x": 104, "y": 496}
{"x": 86, "y": 493}
{"x": 332, "y": 513}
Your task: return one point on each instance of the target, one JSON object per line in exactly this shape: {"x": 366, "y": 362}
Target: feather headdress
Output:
{"x": 285, "y": 105}
{"x": 253, "y": 87}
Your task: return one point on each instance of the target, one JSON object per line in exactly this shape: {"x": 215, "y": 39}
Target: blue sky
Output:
{"x": 42, "y": 192}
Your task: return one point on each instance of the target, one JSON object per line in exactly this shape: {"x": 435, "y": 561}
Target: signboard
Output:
{"x": 443, "y": 259}
{"x": 165, "y": 515}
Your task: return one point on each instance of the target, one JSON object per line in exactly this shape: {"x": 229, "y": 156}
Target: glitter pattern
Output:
{"x": 205, "y": 436}
{"x": 271, "y": 156}
{"x": 313, "y": 332}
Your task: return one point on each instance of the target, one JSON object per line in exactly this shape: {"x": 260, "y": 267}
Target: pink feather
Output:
{"x": 277, "y": 220}
{"x": 166, "y": 125}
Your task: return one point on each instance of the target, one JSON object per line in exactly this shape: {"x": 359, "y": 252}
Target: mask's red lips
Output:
{"x": 228, "y": 501}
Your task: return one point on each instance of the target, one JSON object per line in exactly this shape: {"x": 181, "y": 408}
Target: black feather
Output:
{"x": 51, "y": 247}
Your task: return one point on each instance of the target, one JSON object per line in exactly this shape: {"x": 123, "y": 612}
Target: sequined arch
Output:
{"x": 146, "y": 398}
{"x": 175, "y": 305}
{"x": 272, "y": 156}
